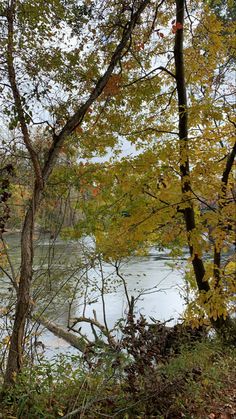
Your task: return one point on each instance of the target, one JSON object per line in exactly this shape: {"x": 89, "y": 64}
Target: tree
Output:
{"x": 26, "y": 33}
{"x": 218, "y": 319}
{"x": 143, "y": 199}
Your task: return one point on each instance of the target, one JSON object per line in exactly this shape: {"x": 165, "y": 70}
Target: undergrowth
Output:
{"x": 184, "y": 384}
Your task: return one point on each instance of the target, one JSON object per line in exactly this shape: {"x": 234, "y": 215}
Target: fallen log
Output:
{"x": 75, "y": 341}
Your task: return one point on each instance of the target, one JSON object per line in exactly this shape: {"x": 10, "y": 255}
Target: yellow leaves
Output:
{"x": 138, "y": 46}
{"x": 196, "y": 242}
{"x": 230, "y": 268}
{"x": 129, "y": 65}
{"x": 3, "y": 311}
{"x": 18, "y": 201}
{"x": 218, "y": 302}
{"x": 219, "y": 236}
{"x": 3, "y": 256}
{"x": 6, "y": 340}
{"x": 194, "y": 315}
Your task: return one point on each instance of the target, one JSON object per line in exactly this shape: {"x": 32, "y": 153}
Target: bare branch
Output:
{"x": 152, "y": 129}
{"x": 12, "y": 277}
{"x": 100, "y": 326}
{"x": 145, "y": 76}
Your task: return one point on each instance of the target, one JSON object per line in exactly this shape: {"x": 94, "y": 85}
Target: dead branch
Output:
{"x": 94, "y": 322}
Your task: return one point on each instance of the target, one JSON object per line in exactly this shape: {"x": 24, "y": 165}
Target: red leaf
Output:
{"x": 78, "y": 130}
{"x": 95, "y": 191}
{"x": 140, "y": 46}
{"x": 179, "y": 25}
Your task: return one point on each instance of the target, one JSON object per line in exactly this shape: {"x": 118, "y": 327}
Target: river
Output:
{"x": 154, "y": 280}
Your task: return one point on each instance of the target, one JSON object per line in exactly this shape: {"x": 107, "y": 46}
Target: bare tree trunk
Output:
{"x": 224, "y": 324}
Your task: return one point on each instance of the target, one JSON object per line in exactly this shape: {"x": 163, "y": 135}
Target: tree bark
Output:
{"x": 15, "y": 356}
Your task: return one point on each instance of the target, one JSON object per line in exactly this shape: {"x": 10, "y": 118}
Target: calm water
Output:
{"x": 153, "y": 280}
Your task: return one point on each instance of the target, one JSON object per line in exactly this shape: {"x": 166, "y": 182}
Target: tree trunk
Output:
{"x": 222, "y": 199}
{"x": 189, "y": 215}
{"x": 15, "y": 356}
{"x": 221, "y": 324}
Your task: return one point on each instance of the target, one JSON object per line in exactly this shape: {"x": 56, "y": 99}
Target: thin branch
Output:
{"x": 170, "y": 99}
{"x": 154, "y": 18}
{"x": 150, "y": 194}
{"x": 87, "y": 406}
{"x": 13, "y": 275}
{"x": 167, "y": 71}
{"x": 102, "y": 294}
{"x": 146, "y": 130}
{"x": 124, "y": 284}
{"x": 6, "y": 273}
{"x": 203, "y": 202}
{"x": 145, "y": 76}
{"x": 156, "y": 210}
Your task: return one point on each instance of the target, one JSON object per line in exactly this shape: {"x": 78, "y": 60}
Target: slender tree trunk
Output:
{"x": 189, "y": 215}
{"x": 226, "y": 325}
{"x": 221, "y": 324}
{"x": 221, "y": 204}
{"x": 15, "y": 357}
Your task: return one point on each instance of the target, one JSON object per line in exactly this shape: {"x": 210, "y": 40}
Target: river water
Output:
{"x": 155, "y": 281}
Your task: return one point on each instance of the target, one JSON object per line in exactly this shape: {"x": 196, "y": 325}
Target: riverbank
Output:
{"x": 199, "y": 382}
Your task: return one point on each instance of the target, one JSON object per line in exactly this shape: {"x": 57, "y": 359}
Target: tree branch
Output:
{"x": 17, "y": 96}
{"x": 78, "y": 117}
{"x": 100, "y": 326}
